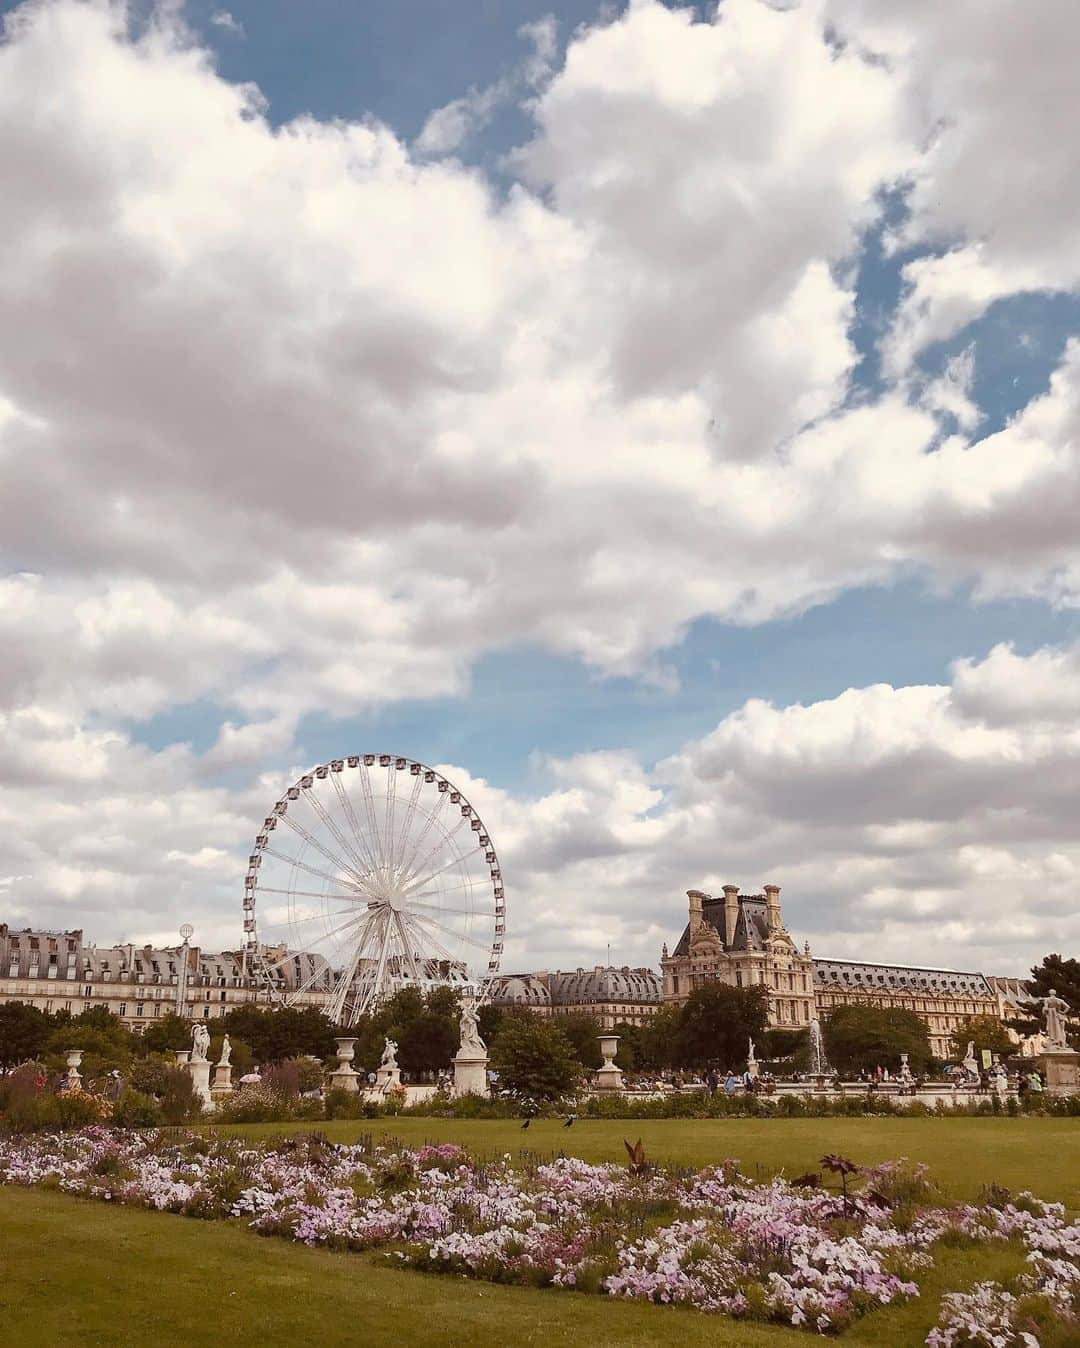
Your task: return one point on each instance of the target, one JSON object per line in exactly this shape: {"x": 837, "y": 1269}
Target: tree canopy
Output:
{"x": 534, "y": 1058}
{"x": 716, "y": 1024}
{"x": 982, "y": 1032}
{"x": 859, "y": 1038}
{"x": 24, "y": 1033}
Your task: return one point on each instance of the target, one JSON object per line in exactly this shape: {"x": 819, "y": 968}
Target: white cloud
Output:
{"x": 992, "y": 86}
{"x": 221, "y": 18}
{"x": 292, "y": 420}
{"x": 897, "y": 820}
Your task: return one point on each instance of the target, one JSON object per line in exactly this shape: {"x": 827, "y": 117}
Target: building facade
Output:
{"x": 741, "y": 940}
{"x": 59, "y": 971}
{"x": 942, "y": 998}
{"x": 615, "y": 996}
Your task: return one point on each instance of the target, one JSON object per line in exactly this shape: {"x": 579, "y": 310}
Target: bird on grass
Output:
{"x": 571, "y": 1119}
{"x": 525, "y": 1124}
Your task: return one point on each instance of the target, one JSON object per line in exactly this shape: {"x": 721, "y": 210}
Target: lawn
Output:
{"x": 86, "y": 1273}
{"x": 963, "y": 1154}
{"x": 93, "y": 1276}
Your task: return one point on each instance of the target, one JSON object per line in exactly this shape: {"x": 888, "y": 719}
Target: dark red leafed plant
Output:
{"x": 842, "y": 1166}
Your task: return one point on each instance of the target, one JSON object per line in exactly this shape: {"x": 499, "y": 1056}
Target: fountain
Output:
{"x": 820, "y": 1071}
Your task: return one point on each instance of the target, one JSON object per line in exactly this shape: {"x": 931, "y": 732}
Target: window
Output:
{"x": 138, "y": 1008}
{"x": 122, "y": 1011}
{"x": 88, "y": 991}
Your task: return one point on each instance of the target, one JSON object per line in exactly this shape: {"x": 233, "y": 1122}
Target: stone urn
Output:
{"x": 343, "y": 1077}
{"x": 609, "y": 1077}
{"x": 74, "y": 1062}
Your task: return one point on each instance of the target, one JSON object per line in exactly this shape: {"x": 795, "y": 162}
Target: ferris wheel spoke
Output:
{"x": 427, "y": 939}
{"x": 432, "y": 822}
{"x": 406, "y": 945}
{"x": 449, "y": 931}
{"x": 312, "y": 841}
{"x": 445, "y": 841}
{"x": 369, "y": 808}
{"x": 388, "y": 816}
{"x": 406, "y": 828}
{"x": 336, "y": 1008}
{"x": 314, "y": 894}
{"x": 359, "y": 865}
{"x": 310, "y": 870}
{"x": 435, "y": 908}
{"x": 469, "y": 883}
{"x": 454, "y": 861}
{"x": 352, "y": 820}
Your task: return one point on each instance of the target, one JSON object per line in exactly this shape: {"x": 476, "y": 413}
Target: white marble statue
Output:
{"x": 1055, "y": 1009}
{"x": 471, "y": 1043}
{"x": 226, "y": 1052}
{"x": 200, "y": 1042}
{"x": 389, "y": 1056}
{"x": 750, "y": 1054}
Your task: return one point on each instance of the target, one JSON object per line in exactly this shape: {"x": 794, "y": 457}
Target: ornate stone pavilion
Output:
{"x": 740, "y": 939}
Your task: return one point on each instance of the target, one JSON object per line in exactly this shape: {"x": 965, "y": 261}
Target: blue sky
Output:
{"x": 665, "y": 419}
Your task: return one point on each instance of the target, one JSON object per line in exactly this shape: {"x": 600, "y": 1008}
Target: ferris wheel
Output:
{"x": 372, "y": 873}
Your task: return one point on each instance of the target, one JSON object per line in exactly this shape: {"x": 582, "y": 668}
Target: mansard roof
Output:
{"x": 751, "y": 928}
{"x": 855, "y": 974}
{"x": 522, "y": 990}
{"x": 604, "y": 985}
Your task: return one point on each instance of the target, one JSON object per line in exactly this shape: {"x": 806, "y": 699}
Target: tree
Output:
{"x": 657, "y": 1042}
{"x": 583, "y": 1032}
{"x": 781, "y": 1043}
{"x": 983, "y": 1032}
{"x": 717, "y": 1023}
{"x": 629, "y": 1055}
{"x": 166, "y": 1035}
{"x": 1060, "y": 974}
{"x": 534, "y": 1058}
{"x": 24, "y": 1033}
{"x": 276, "y": 1033}
{"x": 864, "y": 1037}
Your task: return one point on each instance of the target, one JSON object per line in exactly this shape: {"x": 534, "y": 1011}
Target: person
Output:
{"x": 712, "y": 1080}
{"x": 731, "y": 1084}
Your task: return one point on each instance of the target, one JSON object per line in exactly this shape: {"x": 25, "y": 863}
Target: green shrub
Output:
{"x": 135, "y": 1109}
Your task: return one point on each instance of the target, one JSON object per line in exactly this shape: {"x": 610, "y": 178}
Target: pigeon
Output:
{"x": 525, "y": 1124}
{"x": 570, "y": 1118}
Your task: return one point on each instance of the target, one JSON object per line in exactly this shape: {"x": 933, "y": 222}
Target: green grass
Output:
{"x": 963, "y": 1154}
{"x": 92, "y": 1276}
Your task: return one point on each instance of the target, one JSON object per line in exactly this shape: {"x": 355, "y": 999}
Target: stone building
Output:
{"x": 740, "y": 939}
{"x": 941, "y": 997}
{"x": 613, "y": 995}
{"x": 59, "y": 971}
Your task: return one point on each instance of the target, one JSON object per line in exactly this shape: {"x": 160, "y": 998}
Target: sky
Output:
{"x": 663, "y": 420}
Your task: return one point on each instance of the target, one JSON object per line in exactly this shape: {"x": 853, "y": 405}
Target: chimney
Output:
{"x": 731, "y": 913}
{"x": 696, "y": 898}
{"x": 772, "y": 903}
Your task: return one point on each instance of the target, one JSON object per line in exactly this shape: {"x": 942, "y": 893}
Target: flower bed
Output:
{"x": 712, "y": 1238}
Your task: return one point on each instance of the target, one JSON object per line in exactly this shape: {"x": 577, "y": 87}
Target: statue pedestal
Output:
{"x": 470, "y": 1074}
{"x": 387, "y": 1079}
{"x": 222, "y": 1080}
{"x": 343, "y": 1078}
{"x": 1061, "y": 1068}
{"x": 200, "y": 1075}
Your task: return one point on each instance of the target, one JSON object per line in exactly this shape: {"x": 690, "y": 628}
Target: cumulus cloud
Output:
{"x": 996, "y": 191}
{"x": 303, "y": 418}
{"x": 928, "y": 823}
